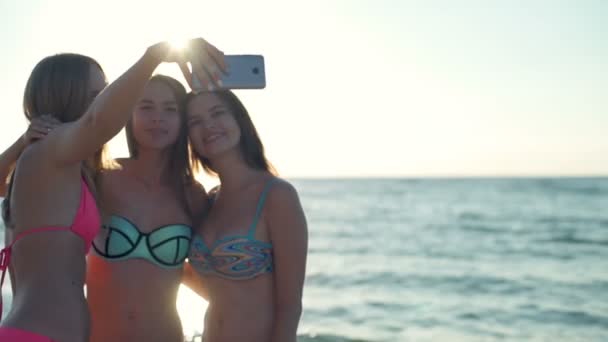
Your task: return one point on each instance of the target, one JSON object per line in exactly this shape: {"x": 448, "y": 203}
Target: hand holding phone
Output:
{"x": 242, "y": 72}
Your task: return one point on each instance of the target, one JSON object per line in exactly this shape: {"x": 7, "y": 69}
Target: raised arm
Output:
{"x": 289, "y": 236}
{"x": 112, "y": 108}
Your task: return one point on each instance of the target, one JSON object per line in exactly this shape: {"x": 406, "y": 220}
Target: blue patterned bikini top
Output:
{"x": 235, "y": 257}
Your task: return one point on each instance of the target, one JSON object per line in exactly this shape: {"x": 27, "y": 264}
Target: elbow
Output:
{"x": 292, "y": 310}
{"x": 99, "y": 123}
{"x": 203, "y": 293}
{"x": 94, "y": 117}
{"x": 298, "y": 309}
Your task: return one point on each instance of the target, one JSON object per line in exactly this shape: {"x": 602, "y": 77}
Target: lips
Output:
{"x": 157, "y": 131}
{"x": 212, "y": 138}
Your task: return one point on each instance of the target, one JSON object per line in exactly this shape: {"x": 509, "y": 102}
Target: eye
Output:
{"x": 217, "y": 113}
{"x": 171, "y": 109}
{"x": 145, "y": 107}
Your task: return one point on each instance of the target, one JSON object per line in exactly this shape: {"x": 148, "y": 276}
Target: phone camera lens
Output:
{"x": 256, "y": 71}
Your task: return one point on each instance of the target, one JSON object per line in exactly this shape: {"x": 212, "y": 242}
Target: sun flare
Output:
{"x": 191, "y": 309}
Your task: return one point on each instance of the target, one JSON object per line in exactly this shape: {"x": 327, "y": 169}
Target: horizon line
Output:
{"x": 448, "y": 176}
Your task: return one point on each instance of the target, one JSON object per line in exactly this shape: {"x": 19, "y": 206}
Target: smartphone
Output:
{"x": 242, "y": 72}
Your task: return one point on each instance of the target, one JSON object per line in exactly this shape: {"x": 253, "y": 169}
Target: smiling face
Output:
{"x": 156, "y": 119}
{"x": 212, "y": 127}
{"x": 219, "y": 124}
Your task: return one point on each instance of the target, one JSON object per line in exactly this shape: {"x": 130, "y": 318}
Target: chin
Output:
{"x": 214, "y": 153}
{"x": 156, "y": 146}
{"x": 210, "y": 155}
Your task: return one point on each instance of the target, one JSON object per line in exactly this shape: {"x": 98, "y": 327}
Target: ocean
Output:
{"x": 477, "y": 259}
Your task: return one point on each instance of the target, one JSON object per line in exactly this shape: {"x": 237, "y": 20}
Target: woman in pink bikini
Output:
{"x": 50, "y": 209}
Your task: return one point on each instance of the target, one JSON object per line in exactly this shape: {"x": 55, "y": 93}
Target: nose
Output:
{"x": 208, "y": 124}
{"x": 156, "y": 116}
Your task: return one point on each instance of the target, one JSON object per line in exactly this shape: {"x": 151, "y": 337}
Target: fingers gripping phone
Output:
{"x": 242, "y": 72}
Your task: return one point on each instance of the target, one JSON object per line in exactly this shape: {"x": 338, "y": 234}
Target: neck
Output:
{"x": 150, "y": 165}
{"x": 233, "y": 171}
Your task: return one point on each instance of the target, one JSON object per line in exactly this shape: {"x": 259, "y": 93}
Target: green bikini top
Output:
{"x": 166, "y": 246}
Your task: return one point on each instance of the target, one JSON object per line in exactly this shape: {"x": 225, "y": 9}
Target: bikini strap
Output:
{"x": 5, "y": 253}
{"x": 5, "y": 259}
{"x": 258, "y": 210}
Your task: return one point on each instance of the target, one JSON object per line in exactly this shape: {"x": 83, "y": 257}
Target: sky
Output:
{"x": 365, "y": 88}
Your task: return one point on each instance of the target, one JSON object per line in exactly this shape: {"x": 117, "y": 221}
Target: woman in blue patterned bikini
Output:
{"x": 250, "y": 251}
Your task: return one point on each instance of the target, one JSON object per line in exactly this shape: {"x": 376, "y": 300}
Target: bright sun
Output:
{"x": 178, "y": 43}
{"x": 191, "y": 309}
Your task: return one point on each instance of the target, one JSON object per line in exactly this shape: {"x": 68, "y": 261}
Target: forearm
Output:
{"x": 114, "y": 105}
{"x": 8, "y": 159}
{"x": 197, "y": 288}
{"x": 193, "y": 282}
{"x": 286, "y": 323}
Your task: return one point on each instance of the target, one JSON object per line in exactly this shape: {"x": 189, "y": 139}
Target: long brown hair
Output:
{"x": 250, "y": 144}
{"x": 179, "y": 173}
{"x": 59, "y": 86}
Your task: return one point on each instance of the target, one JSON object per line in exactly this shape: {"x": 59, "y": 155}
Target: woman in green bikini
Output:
{"x": 134, "y": 273}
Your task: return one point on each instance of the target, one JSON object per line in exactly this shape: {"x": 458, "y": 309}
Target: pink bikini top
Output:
{"x": 86, "y": 224}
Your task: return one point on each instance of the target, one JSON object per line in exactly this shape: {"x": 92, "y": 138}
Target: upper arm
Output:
{"x": 5, "y": 179}
{"x": 3, "y": 188}
{"x": 289, "y": 236}
{"x": 75, "y": 141}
